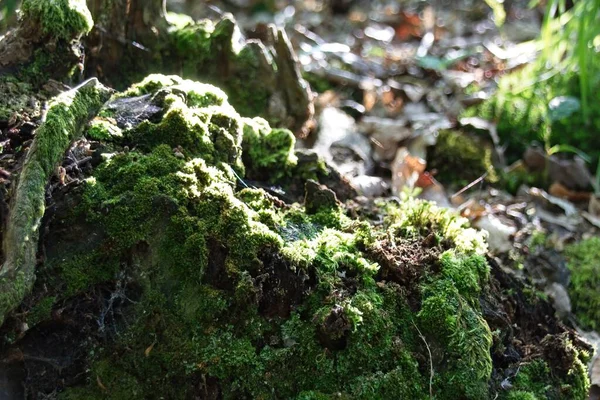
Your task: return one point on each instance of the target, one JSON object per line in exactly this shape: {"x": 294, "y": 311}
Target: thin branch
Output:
{"x": 431, "y": 372}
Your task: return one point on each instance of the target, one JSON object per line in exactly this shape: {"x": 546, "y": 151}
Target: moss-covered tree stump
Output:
{"x": 168, "y": 275}
{"x": 158, "y": 245}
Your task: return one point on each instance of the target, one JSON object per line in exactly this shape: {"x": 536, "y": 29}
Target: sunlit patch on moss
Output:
{"x": 101, "y": 129}
{"x": 62, "y": 19}
{"x": 269, "y": 151}
{"x": 421, "y": 218}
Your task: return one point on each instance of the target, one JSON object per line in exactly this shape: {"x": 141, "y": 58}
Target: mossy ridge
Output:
{"x": 67, "y": 114}
{"x": 44, "y": 45}
{"x": 211, "y": 52}
{"x": 585, "y": 279}
{"x": 192, "y": 42}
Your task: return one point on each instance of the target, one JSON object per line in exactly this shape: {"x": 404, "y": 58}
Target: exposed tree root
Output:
{"x": 67, "y": 115}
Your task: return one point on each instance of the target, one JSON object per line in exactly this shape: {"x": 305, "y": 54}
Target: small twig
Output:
{"x": 240, "y": 179}
{"x": 78, "y": 163}
{"x": 45, "y": 360}
{"x": 470, "y": 185}
{"x": 122, "y": 40}
{"x": 431, "y": 372}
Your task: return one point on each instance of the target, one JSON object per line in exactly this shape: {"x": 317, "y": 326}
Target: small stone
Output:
{"x": 318, "y": 196}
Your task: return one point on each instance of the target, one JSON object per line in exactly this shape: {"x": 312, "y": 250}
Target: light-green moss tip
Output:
{"x": 62, "y": 19}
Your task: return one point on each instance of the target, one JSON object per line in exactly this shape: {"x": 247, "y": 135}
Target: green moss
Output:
{"x": 41, "y": 311}
{"x": 521, "y": 395}
{"x": 15, "y": 285}
{"x": 250, "y": 100}
{"x": 101, "y": 129}
{"x": 450, "y": 313}
{"x": 256, "y": 299}
{"x": 538, "y": 239}
{"x": 536, "y": 380}
{"x": 585, "y": 280}
{"x": 197, "y": 120}
{"x": 309, "y": 166}
{"x": 62, "y": 19}
{"x": 268, "y": 151}
{"x": 83, "y": 271}
{"x": 264, "y": 206}
{"x": 194, "y": 47}
{"x": 17, "y": 98}
{"x": 196, "y": 94}
{"x": 189, "y": 38}
{"x": 415, "y": 218}
{"x": 460, "y": 159}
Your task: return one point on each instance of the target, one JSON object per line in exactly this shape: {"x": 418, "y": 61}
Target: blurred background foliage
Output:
{"x": 8, "y": 13}
{"x": 552, "y": 100}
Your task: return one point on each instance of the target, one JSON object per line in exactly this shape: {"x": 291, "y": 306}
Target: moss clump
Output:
{"x": 81, "y": 271}
{"x": 450, "y": 311}
{"x": 537, "y": 380}
{"x": 195, "y": 45}
{"x": 585, "y": 280}
{"x": 270, "y": 152}
{"x": 102, "y": 129}
{"x": 196, "y": 94}
{"x": 414, "y": 218}
{"x": 460, "y": 159}
{"x": 46, "y": 43}
{"x": 61, "y": 19}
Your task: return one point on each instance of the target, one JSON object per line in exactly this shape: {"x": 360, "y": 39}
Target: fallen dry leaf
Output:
{"x": 369, "y": 99}
{"x": 149, "y": 350}
{"x": 99, "y": 382}
{"x": 406, "y": 170}
{"x": 409, "y": 26}
{"x": 559, "y": 190}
